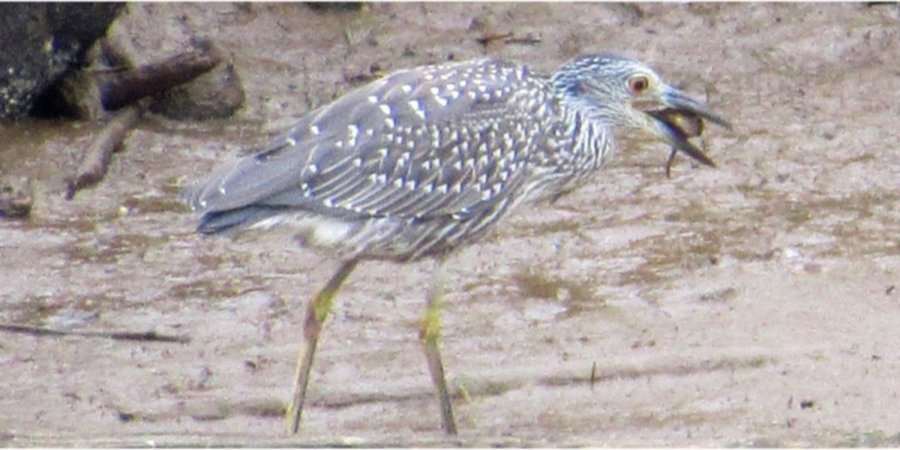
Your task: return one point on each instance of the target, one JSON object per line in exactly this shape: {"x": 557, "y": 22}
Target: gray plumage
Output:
{"x": 427, "y": 159}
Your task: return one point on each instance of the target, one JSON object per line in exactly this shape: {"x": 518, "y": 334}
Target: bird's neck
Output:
{"x": 583, "y": 144}
{"x": 592, "y": 140}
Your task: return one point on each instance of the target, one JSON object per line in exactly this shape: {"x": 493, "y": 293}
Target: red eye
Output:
{"x": 638, "y": 84}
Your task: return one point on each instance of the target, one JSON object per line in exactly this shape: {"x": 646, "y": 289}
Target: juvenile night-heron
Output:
{"x": 426, "y": 160}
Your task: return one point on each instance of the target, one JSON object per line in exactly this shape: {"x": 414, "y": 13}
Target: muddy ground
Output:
{"x": 751, "y": 304}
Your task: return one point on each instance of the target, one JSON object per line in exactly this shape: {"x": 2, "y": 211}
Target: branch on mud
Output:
{"x": 119, "y": 91}
{"x": 490, "y": 38}
{"x": 147, "y": 336}
{"x": 508, "y": 38}
{"x": 121, "y": 88}
{"x": 98, "y": 156}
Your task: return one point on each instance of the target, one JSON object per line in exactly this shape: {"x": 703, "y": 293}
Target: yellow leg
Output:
{"x": 430, "y": 334}
{"x": 316, "y": 313}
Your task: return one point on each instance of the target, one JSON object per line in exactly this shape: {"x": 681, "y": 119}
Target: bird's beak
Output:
{"x": 676, "y": 117}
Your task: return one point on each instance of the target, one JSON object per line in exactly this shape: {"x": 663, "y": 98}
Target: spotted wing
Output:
{"x": 419, "y": 143}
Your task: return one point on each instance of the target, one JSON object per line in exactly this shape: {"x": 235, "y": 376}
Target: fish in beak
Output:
{"x": 676, "y": 117}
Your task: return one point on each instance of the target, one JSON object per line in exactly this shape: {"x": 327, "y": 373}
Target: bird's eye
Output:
{"x": 638, "y": 84}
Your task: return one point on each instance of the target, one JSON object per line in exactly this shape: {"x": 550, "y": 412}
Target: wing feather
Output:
{"x": 419, "y": 143}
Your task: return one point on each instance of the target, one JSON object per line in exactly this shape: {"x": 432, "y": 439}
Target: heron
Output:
{"x": 427, "y": 160}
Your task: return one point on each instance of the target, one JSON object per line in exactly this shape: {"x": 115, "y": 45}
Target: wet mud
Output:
{"x": 753, "y": 304}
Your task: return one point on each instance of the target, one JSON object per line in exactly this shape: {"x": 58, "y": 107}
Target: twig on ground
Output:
{"x": 509, "y": 38}
{"x": 490, "y": 38}
{"x": 97, "y": 157}
{"x": 119, "y": 91}
{"x": 121, "y": 88}
{"x": 146, "y": 336}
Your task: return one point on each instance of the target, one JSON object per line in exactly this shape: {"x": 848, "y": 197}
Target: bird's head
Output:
{"x": 625, "y": 93}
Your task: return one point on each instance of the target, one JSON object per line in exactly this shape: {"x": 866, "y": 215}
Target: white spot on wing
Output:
{"x": 352, "y": 133}
{"x": 416, "y": 106}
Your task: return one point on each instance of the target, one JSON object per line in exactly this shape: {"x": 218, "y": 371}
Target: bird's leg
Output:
{"x": 316, "y": 312}
{"x": 430, "y": 333}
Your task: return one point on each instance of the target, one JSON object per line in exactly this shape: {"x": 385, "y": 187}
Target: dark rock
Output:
{"x": 15, "y": 197}
{"x": 39, "y": 43}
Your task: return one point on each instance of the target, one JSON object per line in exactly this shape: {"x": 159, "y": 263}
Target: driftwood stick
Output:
{"x": 147, "y": 336}
{"x": 508, "y": 38}
{"x": 97, "y": 157}
{"x": 118, "y": 89}
{"x": 490, "y": 38}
